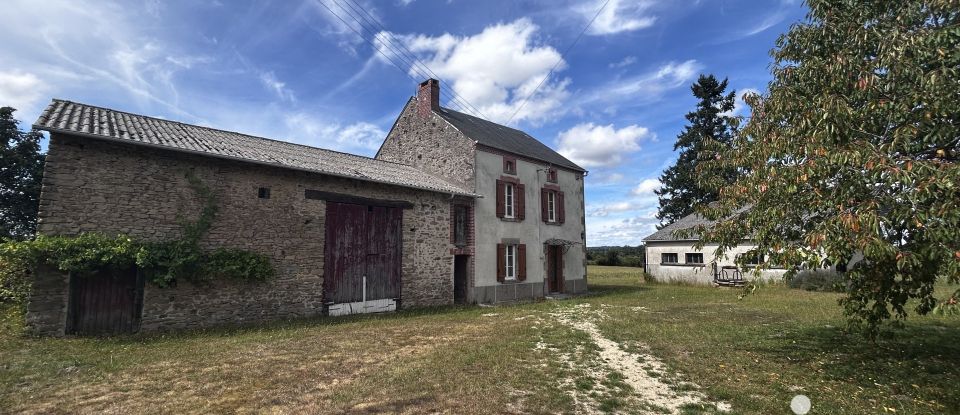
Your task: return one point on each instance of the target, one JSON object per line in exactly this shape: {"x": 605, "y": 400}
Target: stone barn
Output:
{"x": 447, "y": 212}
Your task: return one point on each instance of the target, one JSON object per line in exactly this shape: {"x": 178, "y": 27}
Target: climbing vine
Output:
{"x": 163, "y": 263}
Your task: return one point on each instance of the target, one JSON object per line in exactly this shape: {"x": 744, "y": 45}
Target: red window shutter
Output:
{"x": 543, "y": 205}
{"x": 522, "y": 262}
{"x": 521, "y": 197}
{"x": 560, "y": 271}
{"x": 499, "y": 198}
{"x": 561, "y": 212}
{"x": 501, "y": 263}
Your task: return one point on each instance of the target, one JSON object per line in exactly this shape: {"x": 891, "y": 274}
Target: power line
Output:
{"x": 522, "y": 104}
{"x": 392, "y": 49}
{"x": 411, "y": 59}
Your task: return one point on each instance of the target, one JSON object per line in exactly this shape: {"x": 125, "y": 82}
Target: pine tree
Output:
{"x": 709, "y": 126}
{"x": 21, "y": 169}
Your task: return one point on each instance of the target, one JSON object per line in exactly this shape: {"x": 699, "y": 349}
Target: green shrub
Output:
{"x": 817, "y": 280}
{"x": 14, "y": 282}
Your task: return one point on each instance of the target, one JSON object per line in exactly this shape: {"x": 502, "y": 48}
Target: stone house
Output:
{"x": 526, "y": 228}
{"x": 345, "y": 233}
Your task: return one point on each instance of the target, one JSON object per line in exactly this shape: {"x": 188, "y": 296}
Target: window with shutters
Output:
{"x": 509, "y": 165}
{"x": 508, "y": 200}
{"x": 510, "y": 263}
{"x": 551, "y": 207}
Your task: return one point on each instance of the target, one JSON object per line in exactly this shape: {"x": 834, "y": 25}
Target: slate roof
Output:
{"x": 102, "y": 123}
{"x": 504, "y": 138}
{"x": 689, "y": 221}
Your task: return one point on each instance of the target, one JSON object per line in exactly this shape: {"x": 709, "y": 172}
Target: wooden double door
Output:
{"x": 105, "y": 302}
{"x": 363, "y": 244}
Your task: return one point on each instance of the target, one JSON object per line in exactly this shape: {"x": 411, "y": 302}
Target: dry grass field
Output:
{"x": 629, "y": 347}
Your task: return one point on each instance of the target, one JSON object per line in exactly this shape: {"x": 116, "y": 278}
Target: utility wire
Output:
{"x": 522, "y": 104}
{"x": 392, "y": 49}
{"x": 370, "y": 19}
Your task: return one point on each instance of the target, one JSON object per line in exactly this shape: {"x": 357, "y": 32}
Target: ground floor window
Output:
{"x": 669, "y": 258}
{"x": 510, "y": 262}
{"x": 694, "y": 258}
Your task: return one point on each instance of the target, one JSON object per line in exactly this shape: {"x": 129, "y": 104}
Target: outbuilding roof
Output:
{"x": 504, "y": 138}
{"x": 102, "y": 123}
{"x": 686, "y": 222}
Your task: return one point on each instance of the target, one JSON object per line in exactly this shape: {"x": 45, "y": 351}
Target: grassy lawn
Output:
{"x": 754, "y": 354}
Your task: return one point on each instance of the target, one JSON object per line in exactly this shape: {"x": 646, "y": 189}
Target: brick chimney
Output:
{"x": 428, "y": 97}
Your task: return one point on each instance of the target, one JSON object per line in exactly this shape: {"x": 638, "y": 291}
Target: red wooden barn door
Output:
{"x": 107, "y": 302}
{"x": 362, "y": 241}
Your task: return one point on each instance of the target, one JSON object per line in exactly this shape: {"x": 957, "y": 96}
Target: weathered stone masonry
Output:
{"x": 91, "y": 185}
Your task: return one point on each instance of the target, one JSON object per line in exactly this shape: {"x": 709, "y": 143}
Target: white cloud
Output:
{"x": 627, "y": 61}
{"x": 647, "y": 87}
{"x": 21, "y": 90}
{"x": 359, "y": 137}
{"x": 739, "y": 106}
{"x": 618, "y": 16}
{"x": 621, "y": 230}
{"x": 494, "y": 70}
{"x": 591, "y": 145}
{"x": 646, "y": 187}
{"x": 270, "y": 81}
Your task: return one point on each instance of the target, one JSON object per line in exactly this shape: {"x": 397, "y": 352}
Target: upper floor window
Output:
{"x": 510, "y": 199}
{"x": 694, "y": 258}
{"x": 508, "y": 196}
{"x": 460, "y": 225}
{"x": 551, "y": 205}
{"x": 509, "y": 165}
{"x": 669, "y": 258}
{"x": 552, "y": 175}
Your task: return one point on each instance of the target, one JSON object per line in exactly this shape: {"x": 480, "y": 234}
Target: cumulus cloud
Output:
{"x": 646, "y": 187}
{"x": 591, "y": 145}
{"x": 618, "y": 16}
{"x": 621, "y": 231}
{"x": 360, "y": 137}
{"x": 494, "y": 70}
{"x": 21, "y": 90}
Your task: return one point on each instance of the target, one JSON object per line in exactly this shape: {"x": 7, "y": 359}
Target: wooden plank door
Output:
{"x": 107, "y": 302}
{"x": 362, "y": 241}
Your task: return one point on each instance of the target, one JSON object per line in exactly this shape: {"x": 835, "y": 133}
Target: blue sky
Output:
{"x": 293, "y": 70}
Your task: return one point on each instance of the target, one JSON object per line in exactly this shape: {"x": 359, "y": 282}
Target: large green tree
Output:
{"x": 854, "y": 151}
{"x": 709, "y": 124}
{"x": 21, "y": 169}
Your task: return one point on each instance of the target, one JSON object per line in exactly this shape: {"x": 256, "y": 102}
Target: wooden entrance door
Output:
{"x": 554, "y": 268}
{"x": 362, "y": 241}
{"x": 107, "y": 302}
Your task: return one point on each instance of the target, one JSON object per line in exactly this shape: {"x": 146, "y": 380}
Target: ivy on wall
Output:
{"x": 163, "y": 263}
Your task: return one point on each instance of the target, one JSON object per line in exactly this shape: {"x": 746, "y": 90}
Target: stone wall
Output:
{"x": 430, "y": 143}
{"x": 91, "y": 185}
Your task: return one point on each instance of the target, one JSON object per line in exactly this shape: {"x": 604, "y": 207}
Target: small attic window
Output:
{"x": 509, "y": 165}
{"x": 552, "y": 175}
{"x": 263, "y": 192}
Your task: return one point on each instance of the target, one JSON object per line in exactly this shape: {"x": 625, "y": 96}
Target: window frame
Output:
{"x": 461, "y": 223}
{"x": 663, "y": 257}
{"x": 687, "y": 255}
{"x": 552, "y": 207}
{"x": 552, "y": 176}
{"x": 509, "y": 200}
{"x": 510, "y": 262}
{"x": 510, "y": 165}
